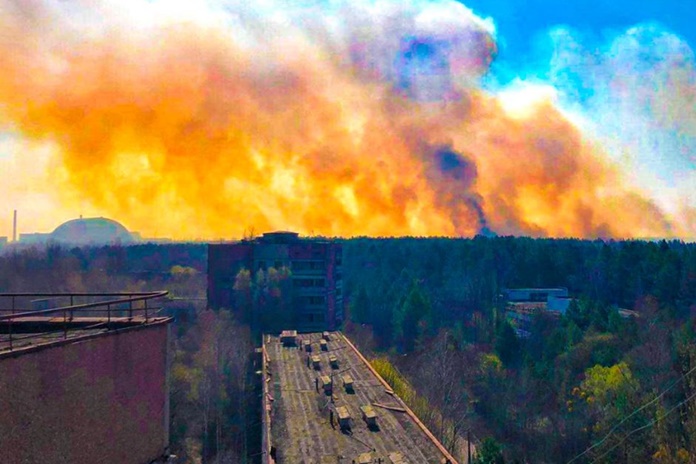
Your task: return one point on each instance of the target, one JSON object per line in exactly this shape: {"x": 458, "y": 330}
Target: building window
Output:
{"x": 309, "y": 283}
{"x": 307, "y": 265}
{"x": 311, "y": 300}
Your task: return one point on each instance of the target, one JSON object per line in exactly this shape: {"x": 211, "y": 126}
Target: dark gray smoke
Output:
{"x": 456, "y": 173}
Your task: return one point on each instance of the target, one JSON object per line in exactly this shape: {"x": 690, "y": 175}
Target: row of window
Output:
{"x": 309, "y": 283}
{"x": 310, "y": 300}
{"x": 304, "y": 265}
{"x": 307, "y": 265}
{"x": 312, "y": 317}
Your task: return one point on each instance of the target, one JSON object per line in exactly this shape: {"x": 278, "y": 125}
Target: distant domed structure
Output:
{"x": 91, "y": 231}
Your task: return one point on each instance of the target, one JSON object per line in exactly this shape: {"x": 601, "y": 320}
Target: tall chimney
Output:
{"x": 14, "y": 227}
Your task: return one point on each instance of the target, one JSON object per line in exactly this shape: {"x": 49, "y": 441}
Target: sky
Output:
{"x": 531, "y": 33}
{"x": 370, "y": 117}
{"x": 521, "y": 24}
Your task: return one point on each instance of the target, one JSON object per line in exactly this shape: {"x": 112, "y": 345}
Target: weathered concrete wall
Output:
{"x": 99, "y": 400}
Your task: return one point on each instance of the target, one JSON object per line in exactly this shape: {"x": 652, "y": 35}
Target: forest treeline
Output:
{"x": 431, "y": 311}
{"x": 464, "y": 276}
{"x": 576, "y": 380}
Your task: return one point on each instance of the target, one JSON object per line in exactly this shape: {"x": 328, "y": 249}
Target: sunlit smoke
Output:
{"x": 639, "y": 97}
{"x": 336, "y": 118}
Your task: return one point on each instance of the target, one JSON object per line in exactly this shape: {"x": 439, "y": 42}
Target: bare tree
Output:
{"x": 439, "y": 369}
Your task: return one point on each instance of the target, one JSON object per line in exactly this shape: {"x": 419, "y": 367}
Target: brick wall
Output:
{"x": 99, "y": 400}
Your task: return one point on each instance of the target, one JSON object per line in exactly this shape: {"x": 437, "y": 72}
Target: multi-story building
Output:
{"x": 522, "y": 304}
{"x": 537, "y": 295}
{"x": 313, "y": 298}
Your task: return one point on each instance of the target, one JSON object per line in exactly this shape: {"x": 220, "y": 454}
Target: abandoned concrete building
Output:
{"x": 85, "y": 380}
{"x": 329, "y": 405}
{"x": 312, "y": 294}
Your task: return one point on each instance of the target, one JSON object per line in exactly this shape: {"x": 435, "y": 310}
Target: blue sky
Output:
{"x": 522, "y": 24}
{"x": 527, "y": 50}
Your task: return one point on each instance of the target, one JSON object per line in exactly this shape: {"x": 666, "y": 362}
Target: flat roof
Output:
{"x": 27, "y": 333}
{"x": 72, "y": 316}
{"x": 301, "y": 431}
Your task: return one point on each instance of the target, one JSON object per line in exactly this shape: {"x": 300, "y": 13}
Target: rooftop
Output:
{"x": 282, "y": 236}
{"x": 30, "y": 321}
{"x": 301, "y": 406}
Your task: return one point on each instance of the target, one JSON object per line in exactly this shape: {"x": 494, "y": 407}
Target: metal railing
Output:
{"x": 116, "y": 307}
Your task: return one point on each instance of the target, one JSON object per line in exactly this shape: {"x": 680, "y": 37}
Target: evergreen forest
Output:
{"x": 610, "y": 381}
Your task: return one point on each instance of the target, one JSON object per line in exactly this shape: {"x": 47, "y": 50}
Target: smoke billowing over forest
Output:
{"x": 338, "y": 118}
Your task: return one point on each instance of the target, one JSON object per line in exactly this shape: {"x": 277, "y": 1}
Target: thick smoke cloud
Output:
{"x": 338, "y": 118}
{"x": 639, "y": 97}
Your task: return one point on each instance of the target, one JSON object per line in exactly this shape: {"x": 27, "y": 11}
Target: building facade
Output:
{"x": 96, "y": 393}
{"x": 523, "y": 304}
{"x": 539, "y": 295}
{"x": 308, "y": 294}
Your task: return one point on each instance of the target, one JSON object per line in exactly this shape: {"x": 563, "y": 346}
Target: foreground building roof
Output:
{"x": 303, "y": 396}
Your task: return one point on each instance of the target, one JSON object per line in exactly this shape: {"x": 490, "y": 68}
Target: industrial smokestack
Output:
{"x": 14, "y": 227}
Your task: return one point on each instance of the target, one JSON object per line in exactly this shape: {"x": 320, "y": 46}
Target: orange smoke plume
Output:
{"x": 195, "y": 127}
